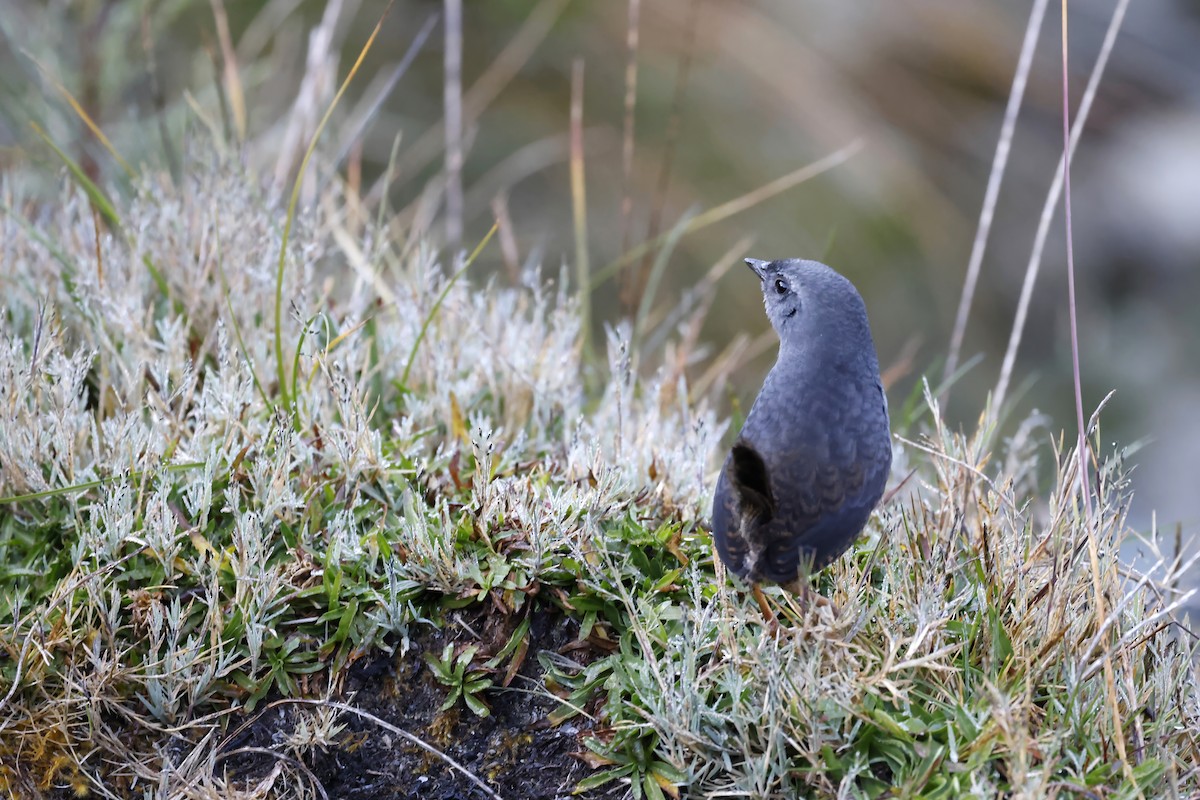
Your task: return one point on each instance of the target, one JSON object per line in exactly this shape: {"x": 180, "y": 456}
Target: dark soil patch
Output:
{"x": 514, "y": 751}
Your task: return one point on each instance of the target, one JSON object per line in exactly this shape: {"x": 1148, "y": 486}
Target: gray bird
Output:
{"x": 811, "y": 462}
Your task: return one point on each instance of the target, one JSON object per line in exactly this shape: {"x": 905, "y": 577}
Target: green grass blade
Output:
{"x": 98, "y": 198}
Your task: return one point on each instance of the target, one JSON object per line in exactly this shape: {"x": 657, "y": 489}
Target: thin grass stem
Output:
{"x": 579, "y": 200}
{"x": 992, "y": 194}
{"x": 453, "y": 111}
{"x": 1048, "y": 208}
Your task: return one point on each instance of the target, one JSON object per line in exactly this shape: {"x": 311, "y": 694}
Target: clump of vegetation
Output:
{"x": 178, "y": 543}
{"x": 455, "y": 673}
{"x": 179, "y": 546}
{"x": 246, "y": 450}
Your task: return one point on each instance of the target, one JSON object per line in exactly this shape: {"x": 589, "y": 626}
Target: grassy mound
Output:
{"x": 207, "y": 519}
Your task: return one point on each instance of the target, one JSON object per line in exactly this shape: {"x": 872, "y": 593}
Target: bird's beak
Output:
{"x": 757, "y": 266}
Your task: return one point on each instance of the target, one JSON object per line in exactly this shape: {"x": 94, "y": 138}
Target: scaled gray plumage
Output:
{"x": 814, "y": 455}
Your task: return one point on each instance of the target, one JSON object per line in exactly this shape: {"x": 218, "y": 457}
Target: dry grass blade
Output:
{"x": 83, "y": 115}
{"x": 579, "y": 198}
{"x": 627, "y": 135}
{"x": 641, "y": 274}
{"x": 453, "y": 110}
{"x": 316, "y": 87}
{"x": 231, "y": 78}
{"x": 508, "y": 238}
{"x": 1082, "y": 441}
{"x": 737, "y": 353}
{"x": 992, "y": 194}
{"x": 353, "y": 133}
{"x": 275, "y": 754}
{"x": 733, "y": 207}
{"x": 696, "y": 301}
{"x": 1035, "y": 258}
{"x": 429, "y": 145}
{"x": 649, "y": 289}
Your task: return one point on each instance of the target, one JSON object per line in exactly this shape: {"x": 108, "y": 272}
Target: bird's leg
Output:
{"x": 767, "y": 613}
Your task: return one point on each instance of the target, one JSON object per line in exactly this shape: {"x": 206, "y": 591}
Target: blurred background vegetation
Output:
{"x": 730, "y": 95}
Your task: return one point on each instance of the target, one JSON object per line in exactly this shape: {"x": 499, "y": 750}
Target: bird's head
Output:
{"x": 807, "y": 302}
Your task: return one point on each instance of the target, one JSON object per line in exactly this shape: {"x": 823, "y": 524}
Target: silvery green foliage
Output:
{"x": 47, "y": 436}
{"x": 138, "y": 383}
{"x": 643, "y": 429}
{"x": 140, "y": 357}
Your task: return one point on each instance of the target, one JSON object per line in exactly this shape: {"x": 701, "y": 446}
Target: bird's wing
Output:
{"x": 751, "y": 481}
{"x": 744, "y": 501}
{"x": 726, "y": 524}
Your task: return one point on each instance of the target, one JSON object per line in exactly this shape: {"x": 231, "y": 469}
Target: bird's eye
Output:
{"x": 781, "y": 287}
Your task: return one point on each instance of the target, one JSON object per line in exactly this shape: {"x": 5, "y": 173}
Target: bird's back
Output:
{"x": 806, "y": 471}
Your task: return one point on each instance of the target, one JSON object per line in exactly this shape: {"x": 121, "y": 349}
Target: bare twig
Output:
{"x": 390, "y": 728}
